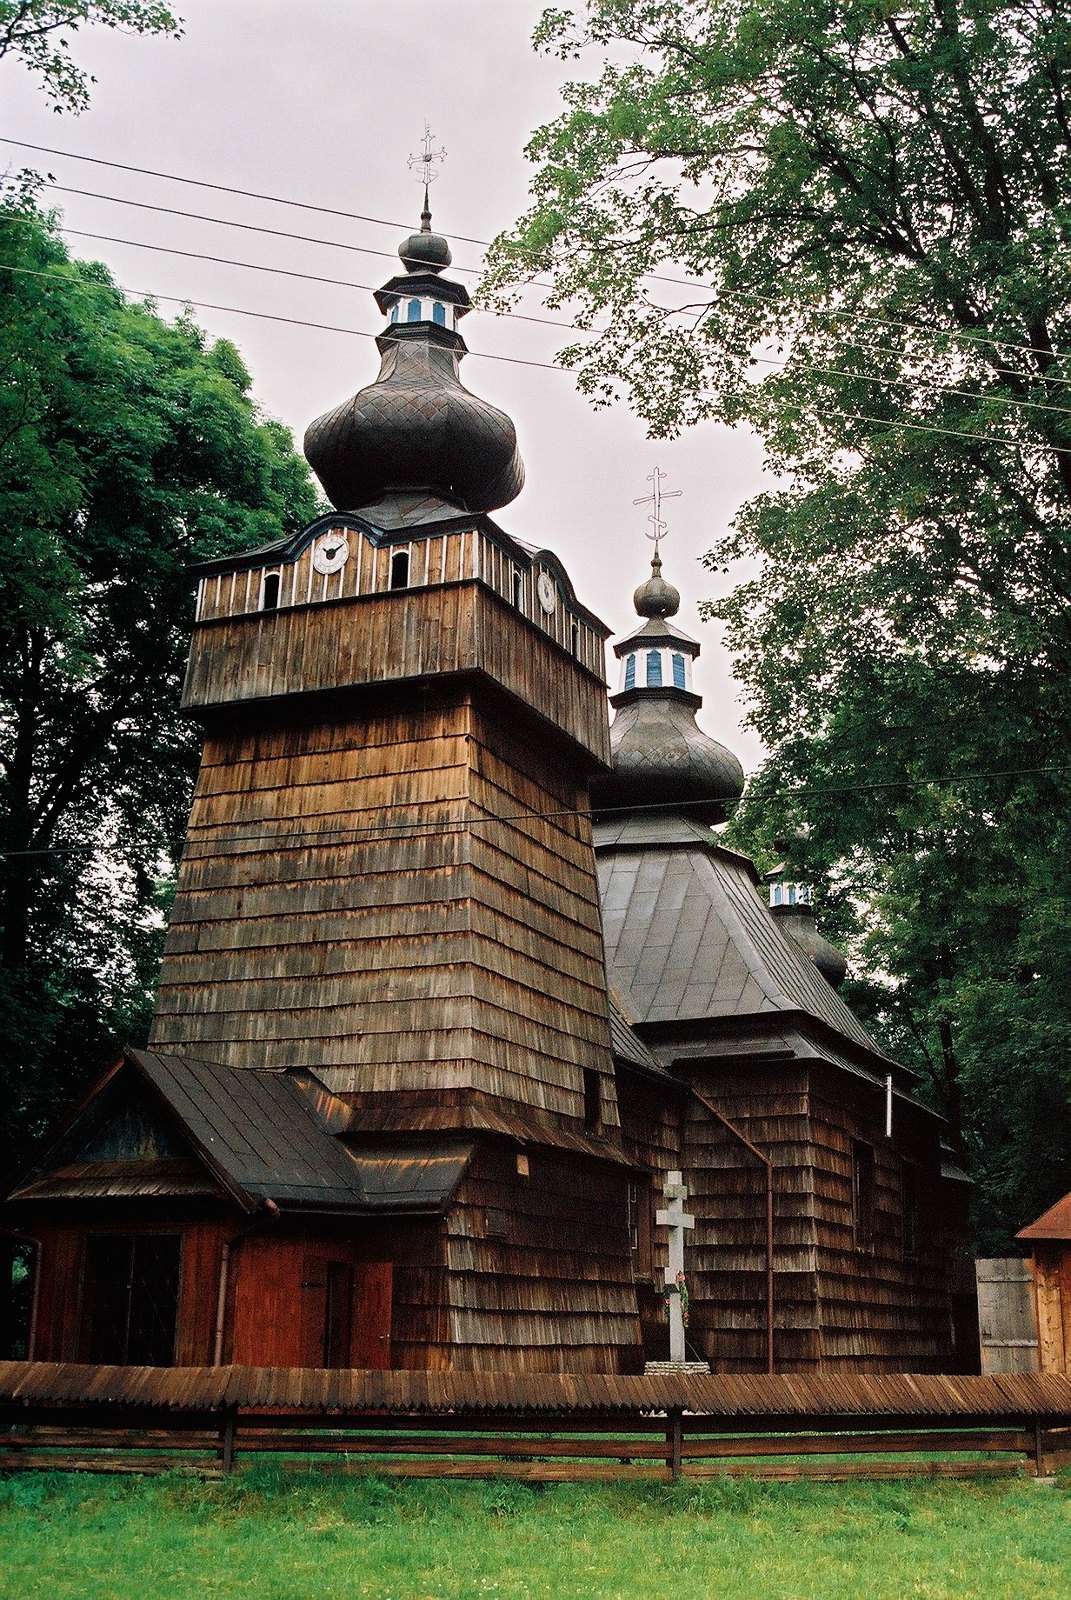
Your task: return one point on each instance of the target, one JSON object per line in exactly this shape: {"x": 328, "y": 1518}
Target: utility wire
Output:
{"x": 345, "y": 283}
{"x": 335, "y": 244}
{"x": 515, "y": 361}
{"x": 447, "y": 826}
{"x": 353, "y": 216}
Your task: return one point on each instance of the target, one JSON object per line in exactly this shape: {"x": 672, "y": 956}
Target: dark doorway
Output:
{"x": 131, "y": 1298}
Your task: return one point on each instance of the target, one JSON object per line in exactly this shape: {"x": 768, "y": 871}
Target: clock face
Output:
{"x": 548, "y": 594}
{"x": 330, "y": 553}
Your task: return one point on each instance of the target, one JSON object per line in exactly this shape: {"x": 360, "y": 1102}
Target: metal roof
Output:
{"x": 266, "y": 1135}
{"x": 687, "y": 937}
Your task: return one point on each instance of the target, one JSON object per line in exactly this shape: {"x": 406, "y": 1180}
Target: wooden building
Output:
{"x": 1049, "y": 1240}
{"x": 392, "y": 1112}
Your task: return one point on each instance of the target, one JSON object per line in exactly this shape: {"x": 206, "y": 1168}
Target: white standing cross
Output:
{"x": 674, "y": 1217}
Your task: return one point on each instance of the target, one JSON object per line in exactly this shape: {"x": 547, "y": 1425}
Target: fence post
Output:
{"x": 674, "y": 1437}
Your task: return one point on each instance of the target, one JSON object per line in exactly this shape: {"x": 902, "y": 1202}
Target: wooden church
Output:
{"x": 430, "y": 1031}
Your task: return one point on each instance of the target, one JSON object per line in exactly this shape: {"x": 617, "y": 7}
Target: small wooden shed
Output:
{"x": 1049, "y": 1239}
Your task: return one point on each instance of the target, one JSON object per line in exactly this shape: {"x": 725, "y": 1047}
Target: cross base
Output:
{"x": 658, "y": 1369}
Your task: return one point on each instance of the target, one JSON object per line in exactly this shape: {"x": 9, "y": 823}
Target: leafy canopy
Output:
{"x": 130, "y": 447}
{"x": 847, "y": 225}
{"x": 35, "y": 33}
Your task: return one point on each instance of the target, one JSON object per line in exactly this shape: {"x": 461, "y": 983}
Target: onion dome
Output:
{"x": 656, "y": 597}
{"x": 661, "y": 757}
{"x": 417, "y": 427}
{"x": 793, "y": 906}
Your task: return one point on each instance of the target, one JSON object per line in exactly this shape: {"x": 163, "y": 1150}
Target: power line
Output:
{"x": 447, "y": 826}
{"x": 243, "y": 311}
{"x": 683, "y": 283}
{"x": 515, "y": 361}
{"x": 344, "y": 283}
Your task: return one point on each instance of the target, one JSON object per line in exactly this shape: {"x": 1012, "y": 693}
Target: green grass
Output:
{"x": 271, "y": 1535}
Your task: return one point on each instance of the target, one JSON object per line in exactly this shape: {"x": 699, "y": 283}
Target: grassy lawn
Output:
{"x": 272, "y": 1536}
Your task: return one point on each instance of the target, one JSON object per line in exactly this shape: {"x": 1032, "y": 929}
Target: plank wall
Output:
{"x": 1052, "y": 1302}
{"x": 350, "y": 901}
{"x": 394, "y": 637}
{"x": 539, "y": 1266}
{"x": 58, "y": 1334}
{"x": 436, "y": 558}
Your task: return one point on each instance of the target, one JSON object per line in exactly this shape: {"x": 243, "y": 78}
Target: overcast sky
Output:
{"x": 323, "y": 101}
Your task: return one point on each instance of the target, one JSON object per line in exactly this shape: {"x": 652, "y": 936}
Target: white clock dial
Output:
{"x": 548, "y": 594}
{"x": 330, "y": 553}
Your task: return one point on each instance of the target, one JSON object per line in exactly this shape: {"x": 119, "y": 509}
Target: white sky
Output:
{"x": 323, "y": 101}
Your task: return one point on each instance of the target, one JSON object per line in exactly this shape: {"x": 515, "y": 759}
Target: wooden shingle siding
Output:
{"x": 551, "y": 1287}
{"x": 351, "y": 897}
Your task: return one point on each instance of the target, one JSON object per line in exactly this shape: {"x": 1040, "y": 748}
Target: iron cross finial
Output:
{"x": 654, "y": 500}
{"x": 427, "y": 158}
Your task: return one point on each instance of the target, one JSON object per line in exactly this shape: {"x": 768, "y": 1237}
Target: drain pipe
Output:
{"x": 224, "y": 1274}
{"x": 768, "y": 1170}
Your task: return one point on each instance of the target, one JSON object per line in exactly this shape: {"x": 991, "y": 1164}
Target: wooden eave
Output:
{"x": 1053, "y": 1225}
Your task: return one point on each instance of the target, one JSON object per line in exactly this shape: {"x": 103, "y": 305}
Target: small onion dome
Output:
{"x": 425, "y": 251}
{"x": 656, "y": 597}
{"x": 417, "y": 427}
{"x": 798, "y": 923}
{"x": 661, "y": 757}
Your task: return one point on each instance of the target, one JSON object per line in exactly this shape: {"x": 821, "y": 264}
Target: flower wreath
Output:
{"x": 679, "y": 1288}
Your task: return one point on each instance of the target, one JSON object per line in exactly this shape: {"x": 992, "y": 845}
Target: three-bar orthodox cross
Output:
{"x": 674, "y": 1217}
{"x": 658, "y": 525}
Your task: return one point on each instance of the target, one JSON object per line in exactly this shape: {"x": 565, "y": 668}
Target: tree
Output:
{"x": 129, "y": 448}
{"x": 35, "y": 33}
{"x": 846, "y": 224}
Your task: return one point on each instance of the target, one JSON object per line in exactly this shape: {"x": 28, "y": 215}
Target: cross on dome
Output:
{"x": 658, "y": 525}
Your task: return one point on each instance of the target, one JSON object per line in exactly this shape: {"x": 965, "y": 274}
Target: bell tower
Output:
{"x": 388, "y": 876}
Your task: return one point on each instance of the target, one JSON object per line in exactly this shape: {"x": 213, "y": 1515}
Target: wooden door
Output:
{"x": 299, "y": 1304}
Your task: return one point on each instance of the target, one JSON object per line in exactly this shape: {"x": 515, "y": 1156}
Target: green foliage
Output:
{"x": 77, "y": 1538}
{"x": 35, "y": 33}
{"x": 870, "y": 203}
{"x": 129, "y": 448}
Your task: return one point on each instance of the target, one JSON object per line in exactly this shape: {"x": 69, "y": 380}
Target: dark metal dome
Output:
{"x": 656, "y": 597}
{"x": 661, "y": 757}
{"x": 417, "y": 426}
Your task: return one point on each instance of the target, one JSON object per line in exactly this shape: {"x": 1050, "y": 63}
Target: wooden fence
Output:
{"x": 549, "y": 1428}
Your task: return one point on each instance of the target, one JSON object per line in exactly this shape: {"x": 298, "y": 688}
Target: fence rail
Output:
{"x": 542, "y": 1427}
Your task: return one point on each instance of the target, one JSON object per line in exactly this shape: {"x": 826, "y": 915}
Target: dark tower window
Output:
{"x": 130, "y": 1298}
{"x": 414, "y": 311}
{"x": 269, "y": 597}
{"x": 630, "y": 673}
{"x": 654, "y": 669}
{"x": 863, "y": 1195}
{"x": 592, "y": 1098}
{"x": 399, "y": 569}
{"x": 438, "y": 313}
{"x": 518, "y": 589}
{"x": 680, "y": 680}
{"x": 574, "y": 639}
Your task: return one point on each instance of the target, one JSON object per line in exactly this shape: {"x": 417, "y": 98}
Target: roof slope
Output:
{"x": 688, "y": 938}
{"x": 264, "y": 1135}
